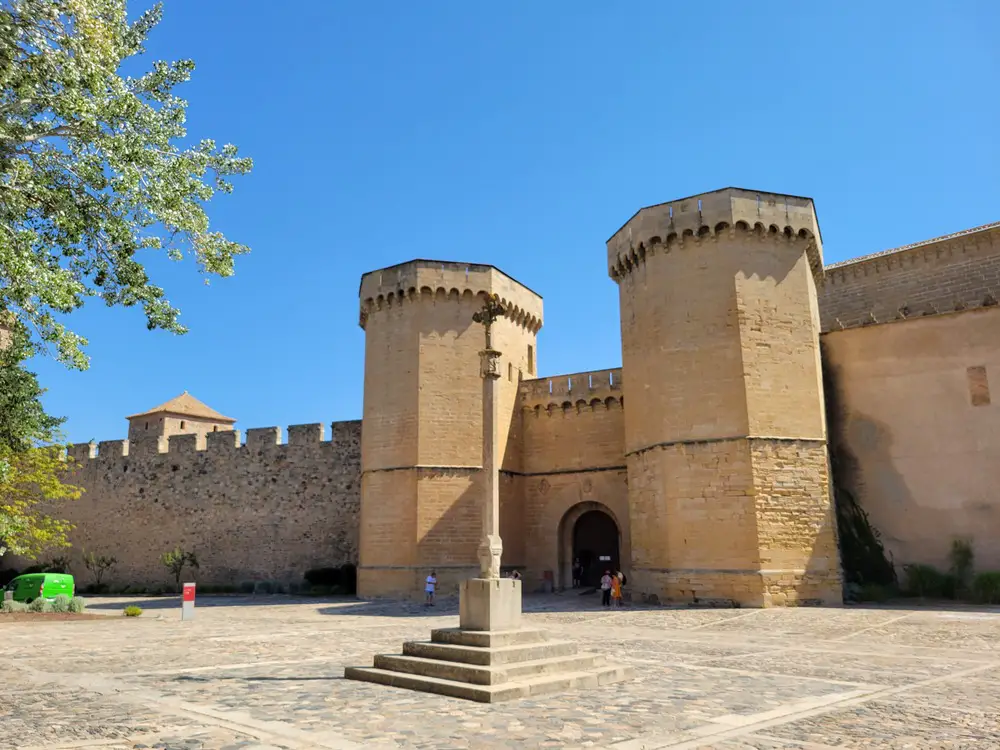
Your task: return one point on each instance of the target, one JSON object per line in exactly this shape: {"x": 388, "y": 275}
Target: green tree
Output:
{"x": 176, "y": 560}
{"x": 94, "y": 169}
{"x": 29, "y": 481}
{"x": 32, "y": 468}
{"x": 23, "y": 420}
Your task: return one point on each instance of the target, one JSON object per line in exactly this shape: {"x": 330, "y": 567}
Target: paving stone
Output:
{"x": 267, "y": 675}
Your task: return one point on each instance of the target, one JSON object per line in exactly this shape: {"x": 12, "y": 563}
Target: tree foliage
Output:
{"x": 23, "y": 421}
{"x": 29, "y": 481}
{"x": 32, "y": 467}
{"x": 94, "y": 170}
{"x": 176, "y": 560}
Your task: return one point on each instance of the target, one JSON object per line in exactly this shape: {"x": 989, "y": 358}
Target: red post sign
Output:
{"x": 189, "y": 592}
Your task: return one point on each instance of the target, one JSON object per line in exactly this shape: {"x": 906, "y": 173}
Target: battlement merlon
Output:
{"x": 710, "y": 213}
{"x": 343, "y": 436}
{"x": 408, "y": 282}
{"x": 572, "y": 387}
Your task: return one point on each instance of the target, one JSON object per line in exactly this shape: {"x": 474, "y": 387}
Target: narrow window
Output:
{"x": 531, "y": 359}
{"x": 147, "y": 425}
{"x": 215, "y": 428}
{"x": 979, "y": 386}
{"x": 510, "y": 371}
{"x": 182, "y": 424}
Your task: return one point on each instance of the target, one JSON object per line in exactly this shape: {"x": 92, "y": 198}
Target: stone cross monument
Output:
{"x": 490, "y": 547}
{"x": 490, "y": 602}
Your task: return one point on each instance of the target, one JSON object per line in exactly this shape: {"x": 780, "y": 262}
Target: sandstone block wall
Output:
{"x": 573, "y": 443}
{"x": 259, "y": 511}
{"x": 720, "y": 326}
{"x": 959, "y": 271}
{"x": 915, "y": 424}
{"x": 423, "y": 413}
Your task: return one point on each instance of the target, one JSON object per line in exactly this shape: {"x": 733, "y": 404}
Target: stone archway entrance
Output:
{"x": 588, "y": 532}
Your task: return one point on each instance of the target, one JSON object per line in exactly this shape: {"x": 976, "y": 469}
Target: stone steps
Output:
{"x": 485, "y": 675}
{"x": 490, "y": 666}
{"x": 452, "y": 652}
{"x": 489, "y": 638}
{"x": 523, "y": 688}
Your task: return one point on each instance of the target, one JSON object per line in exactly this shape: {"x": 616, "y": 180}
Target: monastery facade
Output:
{"x": 701, "y": 467}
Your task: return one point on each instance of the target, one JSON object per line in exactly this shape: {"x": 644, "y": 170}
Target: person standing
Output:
{"x": 429, "y": 585}
{"x": 577, "y": 573}
{"x": 616, "y": 592}
{"x": 606, "y": 589}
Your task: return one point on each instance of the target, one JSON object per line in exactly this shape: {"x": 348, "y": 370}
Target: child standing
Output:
{"x": 429, "y": 587}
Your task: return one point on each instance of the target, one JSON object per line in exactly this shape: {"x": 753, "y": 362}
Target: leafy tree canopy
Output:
{"x": 93, "y": 169}
{"x": 32, "y": 469}
{"x": 23, "y": 421}
{"x": 29, "y": 482}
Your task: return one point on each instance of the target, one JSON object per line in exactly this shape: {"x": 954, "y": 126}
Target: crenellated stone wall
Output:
{"x": 262, "y": 510}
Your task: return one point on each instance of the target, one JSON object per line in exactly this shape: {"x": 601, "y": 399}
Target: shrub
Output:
{"x": 986, "y": 587}
{"x": 40, "y": 605}
{"x": 927, "y": 581}
{"x": 132, "y": 611}
{"x": 77, "y": 604}
{"x": 247, "y": 587}
{"x": 176, "y": 560}
{"x": 60, "y": 603}
{"x": 961, "y": 557}
{"x": 327, "y": 577}
{"x": 99, "y": 565}
{"x": 9, "y": 607}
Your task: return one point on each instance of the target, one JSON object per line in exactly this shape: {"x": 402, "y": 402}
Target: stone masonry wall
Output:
{"x": 573, "y": 460}
{"x": 956, "y": 272}
{"x": 914, "y": 425}
{"x": 259, "y": 511}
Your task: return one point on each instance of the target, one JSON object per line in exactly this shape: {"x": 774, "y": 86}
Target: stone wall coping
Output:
{"x": 223, "y": 440}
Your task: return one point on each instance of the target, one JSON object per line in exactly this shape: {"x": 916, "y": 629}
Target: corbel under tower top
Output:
{"x": 708, "y": 214}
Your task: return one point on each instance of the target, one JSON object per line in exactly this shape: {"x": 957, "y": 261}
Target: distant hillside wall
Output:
{"x": 573, "y": 442}
{"x": 915, "y": 426}
{"x": 955, "y": 272}
{"x": 258, "y": 511}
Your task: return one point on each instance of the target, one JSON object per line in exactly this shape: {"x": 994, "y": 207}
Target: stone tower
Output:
{"x": 421, "y": 448}
{"x": 725, "y": 432}
{"x": 182, "y": 415}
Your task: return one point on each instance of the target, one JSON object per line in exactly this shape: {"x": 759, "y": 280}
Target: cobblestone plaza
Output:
{"x": 268, "y": 673}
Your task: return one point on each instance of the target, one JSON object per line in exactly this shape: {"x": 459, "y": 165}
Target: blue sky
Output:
{"x": 523, "y": 134}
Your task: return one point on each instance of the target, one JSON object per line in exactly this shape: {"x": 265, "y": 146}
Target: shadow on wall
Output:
{"x": 861, "y": 543}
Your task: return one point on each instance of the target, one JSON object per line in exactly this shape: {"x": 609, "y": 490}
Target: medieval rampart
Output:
{"x": 263, "y": 510}
{"x": 955, "y": 272}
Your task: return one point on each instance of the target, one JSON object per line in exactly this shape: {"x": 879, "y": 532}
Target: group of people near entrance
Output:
{"x": 611, "y": 588}
{"x": 612, "y": 584}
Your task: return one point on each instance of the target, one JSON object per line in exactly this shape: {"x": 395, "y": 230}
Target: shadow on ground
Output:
{"x": 570, "y": 601}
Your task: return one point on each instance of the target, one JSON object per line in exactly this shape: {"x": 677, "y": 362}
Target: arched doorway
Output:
{"x": 589, "y": 533}
{"x": 595, "y": 545}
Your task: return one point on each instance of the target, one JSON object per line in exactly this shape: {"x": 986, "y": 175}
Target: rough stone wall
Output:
{"x": 259, "y": 511}
{"x": 960, "y": 271}
{"x": 573, "y": 460}
{"x": 915, "y": 424}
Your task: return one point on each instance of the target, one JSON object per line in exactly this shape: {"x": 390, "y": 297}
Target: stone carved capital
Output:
{"x": 490, "y": 363}
{"x": 489, "y": 553}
